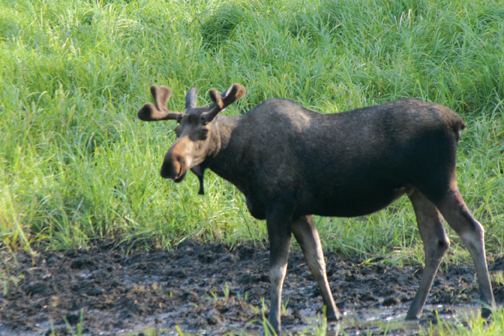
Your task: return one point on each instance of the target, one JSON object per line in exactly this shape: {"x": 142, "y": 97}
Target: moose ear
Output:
{"x": 191, "y": 98}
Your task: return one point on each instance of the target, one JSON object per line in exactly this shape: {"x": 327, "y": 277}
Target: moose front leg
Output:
{"x": 279, "y": 232}
{"x": 308, "y": 238}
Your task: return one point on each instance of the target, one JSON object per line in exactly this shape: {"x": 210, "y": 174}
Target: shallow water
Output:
{"x": 388, "y": 321}
{"x": 391, "y": 320}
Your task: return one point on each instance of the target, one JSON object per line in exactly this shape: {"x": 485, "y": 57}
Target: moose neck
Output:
{"x": 221, "y": 156}
{"x": 223, "y": 127}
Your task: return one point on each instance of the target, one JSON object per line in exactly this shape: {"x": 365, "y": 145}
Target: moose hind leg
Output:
{"x": 435, "y": 245}
{"x": 307, "y": 236}
{"x": 471, "y": 232}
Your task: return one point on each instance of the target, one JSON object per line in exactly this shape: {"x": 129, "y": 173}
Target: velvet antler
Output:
{"x": 234, "y": 93}
{"x": 151, "y": 112}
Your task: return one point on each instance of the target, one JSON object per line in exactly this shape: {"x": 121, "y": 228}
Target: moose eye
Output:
{"x": 203, "y": 134}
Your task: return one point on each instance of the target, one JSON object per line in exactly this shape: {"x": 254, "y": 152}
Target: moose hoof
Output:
{"x": 332, "y": 317}
{"x": 486, "y": 313}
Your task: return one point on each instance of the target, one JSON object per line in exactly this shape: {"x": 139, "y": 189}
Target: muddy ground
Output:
{"x": 213, "y": 289}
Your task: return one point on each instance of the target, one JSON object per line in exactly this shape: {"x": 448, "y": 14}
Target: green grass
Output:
{"x": 76, "y": 164}
{"x": 473, "y": 326}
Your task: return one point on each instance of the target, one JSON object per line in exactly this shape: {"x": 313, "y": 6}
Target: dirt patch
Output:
{"x": 214, "y": 288}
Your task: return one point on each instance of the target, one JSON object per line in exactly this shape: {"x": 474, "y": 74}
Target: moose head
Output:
{"x": 194, "y": 132}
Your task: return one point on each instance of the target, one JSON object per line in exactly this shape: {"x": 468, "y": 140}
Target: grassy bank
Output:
{"x": 76, "y": 164}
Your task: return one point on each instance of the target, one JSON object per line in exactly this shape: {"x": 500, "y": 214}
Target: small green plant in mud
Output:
{"x": 498, "y": 277}
{"x": 7, "y": 280}
{"x": 320, "y": 329}
{"x": 245, "y": 297}
{"x": 214, "y": 295}
{"x": 69, "y": 320}
{"x": 226, "y": 292}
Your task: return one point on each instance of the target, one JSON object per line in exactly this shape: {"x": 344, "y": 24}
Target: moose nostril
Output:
{"x": 179, "y": 163}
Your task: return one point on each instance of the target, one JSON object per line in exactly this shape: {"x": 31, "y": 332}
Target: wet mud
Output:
{"x": 212, "y": 289}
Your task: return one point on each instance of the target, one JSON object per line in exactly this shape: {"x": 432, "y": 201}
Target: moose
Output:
{"x": 291, "y": 163}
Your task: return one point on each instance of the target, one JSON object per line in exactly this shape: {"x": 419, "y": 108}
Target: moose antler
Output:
{"x": 160, "y": 111}
{"x": 234, "y": 93}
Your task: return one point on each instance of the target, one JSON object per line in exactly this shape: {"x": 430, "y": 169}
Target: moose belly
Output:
{"x": 352, "y": 204}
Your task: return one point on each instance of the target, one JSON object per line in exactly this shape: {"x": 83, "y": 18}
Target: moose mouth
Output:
{"x": 179, "y": 178}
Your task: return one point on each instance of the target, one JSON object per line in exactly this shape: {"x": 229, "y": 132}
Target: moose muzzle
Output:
{"x": 177, "y": 161}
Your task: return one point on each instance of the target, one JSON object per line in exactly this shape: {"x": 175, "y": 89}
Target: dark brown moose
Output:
{"x": 291, "y": 163}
